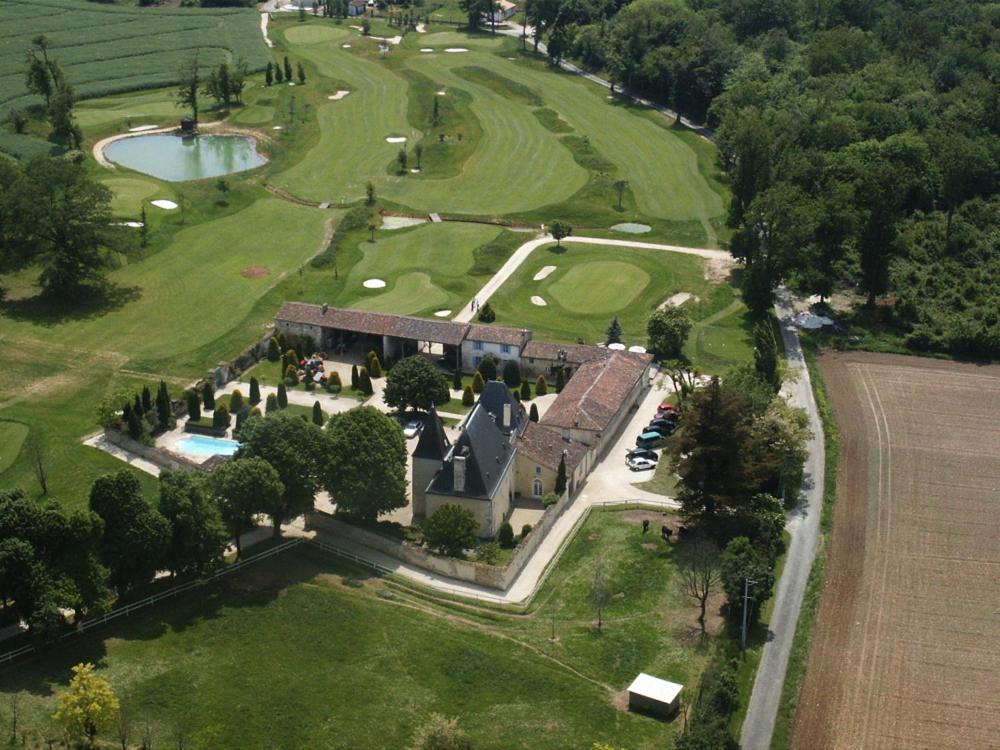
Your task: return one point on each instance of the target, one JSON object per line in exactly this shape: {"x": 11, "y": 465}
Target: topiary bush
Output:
{"x": 292, "y": 376}
{"x": 282, "y": 396}
{"x": 254, "y": 391}
{"x": 525, "y": 530}
{"x": 550, "y": 498}
{"x": 193, "y": 405}
{"x": 271, "y": 405}
{"x": 478, "y": 383}
{"x": 506, "y": 536}
{"x": 525, "y": 390}
{"x": 220, "y": 417}
{"x": 208, "y": 395}
{"x": 541, "y": 387}
{"x": 273, "y": 350}
{"x": 468, "y": 397}
{"x": 236, "y": 402}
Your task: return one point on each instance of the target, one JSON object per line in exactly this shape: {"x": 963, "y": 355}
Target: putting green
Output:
{"x": 255, "y": 114}
{"x": 456, "y": 40}
{"x": 130, "y": 192}
{"x": 426, "y": 268}
{"x": 12, "y": 437}
{"x": 155, "y": 107}
{"x": 409, "y": 294}
{"x": 602, "y": 286}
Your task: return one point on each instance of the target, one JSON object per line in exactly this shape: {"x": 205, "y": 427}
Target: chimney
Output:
{"x": 458, "y": 466}
{"x": 566, "y": 435}
{"x": 506, "y": 414}
{"x": 325, "y": 308}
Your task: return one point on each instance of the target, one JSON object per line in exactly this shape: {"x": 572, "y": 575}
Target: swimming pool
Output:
{"x": 207, "y": 446}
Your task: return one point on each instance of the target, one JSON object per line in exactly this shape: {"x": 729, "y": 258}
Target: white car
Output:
{"x": 641, "y": 464}
{"x": 412, "y": 428}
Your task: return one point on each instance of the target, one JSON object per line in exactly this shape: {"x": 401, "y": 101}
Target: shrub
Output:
{"x": 317, "y": 414}
{"x": 282, "y": 341}
{"x": 365, "y": 382}
{"x": 506, "y": 535}
{"x": 254, "y": 392}
{"x": 355, "y": 381}
{"x": 255, "y": 412}
{"x": 478, "y": 383}
{"x": 193, "y": 405}
{"x": 456, "y": 380}
{"x": 334, "y": 380}
{"x": 271, "y": 405}
{"x": 220, "y": 417}
{"x": 273, "y": 350}
{"x": 468, "y": 397}
{"x": 525, "y": 530}
{"x": 525, "y": 390}
{"x": 374, "y": 365}
{"x": 512, "y": 374}
{"x": 147, "y": 400}
{"x": 289, "y": 358}
{"x": 241, "y": 417}
{"x": 486, "y": 314}
{"x": 133, "y": 422}
{"x": 236, "y": 401}
{"x": 533, "y": 413}
{"x": 208, "y": 395}
{"x": 292, "y": 376}
{"x": 450, "y": 529}
{"x": 489, "y": 553}
{"x": 282, "y": 396}
{"x": 541, "y": 387}
{"x": 550, "y": 498}
{"x": 488, "y": 367}
{"x": 560, "y": 380}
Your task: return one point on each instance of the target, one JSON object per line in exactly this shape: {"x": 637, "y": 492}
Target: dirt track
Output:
{"x": 906, "y": 650}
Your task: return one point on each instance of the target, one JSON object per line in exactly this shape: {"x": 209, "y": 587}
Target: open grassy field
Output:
{"x": 906, "y": 649}
{"x": 353, "y": 661}
{"x": 12, "y": 437}
{"x": 109, "y": 48}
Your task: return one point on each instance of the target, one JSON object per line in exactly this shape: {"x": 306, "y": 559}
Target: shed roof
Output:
{"x": 655, "y": 689}
{"x": 374, "y": 323}
{"x": 499, "y": 335}
{"x": 572, "y": 354}
{"x": 546, "y": 447}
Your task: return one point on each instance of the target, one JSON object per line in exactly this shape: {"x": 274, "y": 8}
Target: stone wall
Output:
{"x": 162, "y": 457}
{"x": 489, "y": 576}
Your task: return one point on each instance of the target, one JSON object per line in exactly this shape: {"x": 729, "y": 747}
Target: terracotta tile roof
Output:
{"x": 576, "y": 354}
{"x": 545, "y": 447}
{"x": 498, "y": 335}
{"x": 597, "y": 392}
{"x": 374, "y": 323}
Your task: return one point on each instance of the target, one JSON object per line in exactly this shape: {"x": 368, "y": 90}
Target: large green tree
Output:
{"x": 668, "y": 329}
{"x": 450, "y": 529}
{"x": 243, "y": 488}
{"x": 297, "y": 450}
{"x": 197, "y": 535}
{"x": 365, "y": 466}
{"x": 61, "y": 224}
{"x": 415, "y": 383}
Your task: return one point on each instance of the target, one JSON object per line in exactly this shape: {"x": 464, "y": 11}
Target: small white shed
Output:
{"x": 653, "y": 695}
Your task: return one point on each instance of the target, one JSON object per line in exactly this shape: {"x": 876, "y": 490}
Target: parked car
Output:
{"x": 661, "y": 426}
{"x": 412, "y": 428}
{"x": 641, "y": 464}
{"x": 671, "y": 415}
{"x": 665, "y": 407}
{"x": 641, "y": 453}
{"x": 649, "y": 440}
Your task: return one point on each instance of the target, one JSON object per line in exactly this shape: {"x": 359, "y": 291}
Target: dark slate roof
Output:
{"x": 488, "y": 455}
{"x": 576, "y": 354}
{"x": 374, "y": 323}
{"x": 596, "y": 392}
{"x": 433, "y": 443}
{"x": 546, "y": 446}
{"x": 494, "y": 396}
{"x": 498, "y": 335}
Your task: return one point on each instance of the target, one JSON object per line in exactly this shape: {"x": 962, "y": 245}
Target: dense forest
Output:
{"x": 860, "y": 137}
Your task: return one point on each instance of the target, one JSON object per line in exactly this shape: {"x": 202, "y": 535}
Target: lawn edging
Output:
{"x": 795, "y": 673}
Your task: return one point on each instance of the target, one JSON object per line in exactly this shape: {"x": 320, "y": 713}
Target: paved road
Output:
{"x": 803, "y": 525}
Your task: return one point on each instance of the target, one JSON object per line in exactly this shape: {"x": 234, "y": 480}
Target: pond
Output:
{"x": 176, "y": 159}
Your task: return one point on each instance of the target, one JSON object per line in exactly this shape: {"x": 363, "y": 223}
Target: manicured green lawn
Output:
{"x": 301, "y": 651}
{"x": 12, "y": 437}
{"x": 132, "y": 192}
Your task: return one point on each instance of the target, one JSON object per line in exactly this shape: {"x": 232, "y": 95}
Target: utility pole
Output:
{"x": 746, "y": 595}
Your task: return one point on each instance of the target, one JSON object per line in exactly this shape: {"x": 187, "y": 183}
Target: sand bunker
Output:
{"x": 338, "y": 96}
{"x": 400, "y": 222}
{"x": 373, "y": 284}
{"x": 277, "y": 127}
{"x": 443, "y": 313}
{"x": 631, "y": 228}
{"x": 536, "y": 300}
{"x": 396, "y": 139}
{"x": 164, "y": 204}
{"x": 456, "y": 49}
{"x": 441, "y": 93}
{"x": 543, "y": 273}
{"x": 254, "y": 272}
{"x": 426, "y": 49}
{"x": 676, "y": 300}
{"x": 140, "y": 128}
{"x": 346, "y": 46}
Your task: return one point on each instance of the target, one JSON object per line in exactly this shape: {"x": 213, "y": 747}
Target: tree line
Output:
{"x": 86, "y": 560}
{"x": 860, "y": 140}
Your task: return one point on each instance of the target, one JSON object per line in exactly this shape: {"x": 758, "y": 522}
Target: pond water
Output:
{"x": 176, "y": 159}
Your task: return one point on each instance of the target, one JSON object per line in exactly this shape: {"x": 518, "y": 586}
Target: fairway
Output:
{"x": 131, "y": 192}
{"x": 353, "y": 661}
{"x": 110, "y": 48}
{"x": 12, "y": 437}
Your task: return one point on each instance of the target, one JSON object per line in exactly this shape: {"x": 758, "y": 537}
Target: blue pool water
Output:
{"x": 207, "y": 446}
{"x": 173, "y": 158}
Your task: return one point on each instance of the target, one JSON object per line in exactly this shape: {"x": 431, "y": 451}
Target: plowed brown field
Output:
{"x": 906, "y": 648}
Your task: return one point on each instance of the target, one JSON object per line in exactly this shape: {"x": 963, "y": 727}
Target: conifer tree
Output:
{"x": 317, "y": 414}
{"x": 254, "y": 392}
{"x": 282, "y": 396}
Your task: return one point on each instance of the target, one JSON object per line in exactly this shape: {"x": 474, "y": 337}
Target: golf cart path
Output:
{"x": 520, "y": 255}
{"x": 803, "y": 526}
